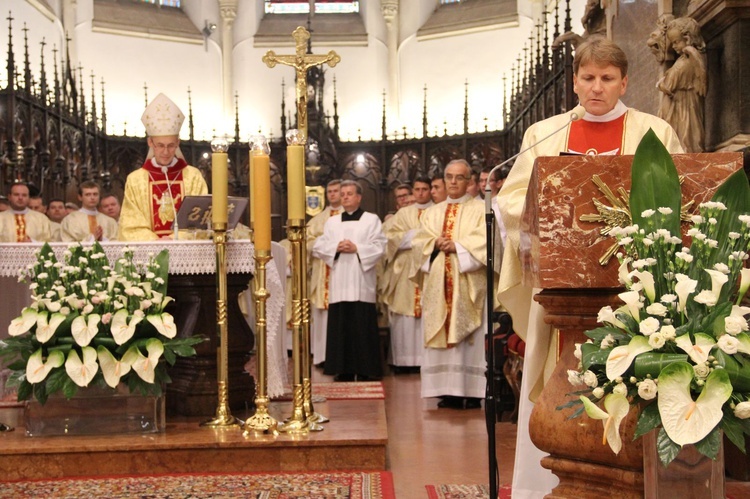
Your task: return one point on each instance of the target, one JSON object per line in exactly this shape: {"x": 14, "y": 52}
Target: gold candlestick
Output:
{"x": 261, "y": 422}
{"x": 223, "y": 417}
{"x": 297, "y": 422}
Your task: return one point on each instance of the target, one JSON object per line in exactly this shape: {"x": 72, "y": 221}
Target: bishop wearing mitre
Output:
{"x": 154, "y": 192}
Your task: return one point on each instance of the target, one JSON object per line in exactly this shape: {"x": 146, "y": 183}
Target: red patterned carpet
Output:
{"x": 464, "y": 492}
{"x": 344, "y": 390}
{"x": 334, "y": 485}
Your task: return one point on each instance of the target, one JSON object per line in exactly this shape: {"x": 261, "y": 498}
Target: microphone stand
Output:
{"x": 490, "y": 409}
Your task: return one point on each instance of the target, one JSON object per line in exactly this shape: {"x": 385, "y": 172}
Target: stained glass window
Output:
{"x": 303, "y": 7}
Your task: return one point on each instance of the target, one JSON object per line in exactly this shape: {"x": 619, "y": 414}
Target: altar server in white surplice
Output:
{"x": 608, "y": 127}
{"x": 402, "y": 295}
{"x": 320, "y": 274}
{"x": 449, "y": 255}
{"x": 351, "y": 245}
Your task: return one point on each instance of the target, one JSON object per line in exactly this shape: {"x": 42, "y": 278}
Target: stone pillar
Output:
{"x": 389, "y": 8}
{"x": 725, "y": 27}
{"x": 228, "y": 9}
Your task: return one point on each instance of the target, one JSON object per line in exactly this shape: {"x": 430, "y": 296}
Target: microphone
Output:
{"x": 164, "y": 170}
{"x": 575, "y": 114}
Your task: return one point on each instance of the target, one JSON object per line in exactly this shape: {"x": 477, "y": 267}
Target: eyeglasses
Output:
{"x": 401, "y": 196}
{"x": 457, "y": 178}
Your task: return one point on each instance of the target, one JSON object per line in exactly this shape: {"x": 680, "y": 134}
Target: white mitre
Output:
{"x": 162, "y": 118}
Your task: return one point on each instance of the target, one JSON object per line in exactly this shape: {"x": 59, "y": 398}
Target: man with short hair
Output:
{"x": 110, "y": 206}
{"x": 56, "y": 210}
{"x": 19, "y": 224}
{"x": 437, "y": 190}
{"x": 351, "y": 245}
{"x": 88, "y": 224}
{"x": 154, "y": 192}
{"x": 449, "y": 252}
{"x": 473, "y": 187}
{"x": 320, "y": 274}
{"x": 36, "y": 203}
{"x": 403, "y": 195}
{"x": 401, "y": 295}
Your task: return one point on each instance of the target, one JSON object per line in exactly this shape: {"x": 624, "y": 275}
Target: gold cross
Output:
{"x": 301, "y": 62}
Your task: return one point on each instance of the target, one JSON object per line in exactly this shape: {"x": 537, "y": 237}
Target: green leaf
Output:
{"x": 654, "y": 183}
{"x": 666, "y": 449}
{"x": 69, "y": 388}
{"x": 162, "y": 259}
{"x": 55, "y": 380}
{"x": 648, "y": 420}
{"x": 25, "y": 390}
{"x": 652, "y": 363}
{"x": 709, "y": 446}
{"x": 592, "y": 355}
{"x": 739, "y": 375}
{"x": 169, "y": 356}
{"x": 733, "y": 428}
{"x": 600, "y": 333}
{"x": 735, "y": 194}
{"x": 40, "y": 393}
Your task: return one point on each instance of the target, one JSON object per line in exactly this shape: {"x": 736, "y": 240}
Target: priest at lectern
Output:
{"x": 607, "y": 127}
{"x": 154, "y": 193}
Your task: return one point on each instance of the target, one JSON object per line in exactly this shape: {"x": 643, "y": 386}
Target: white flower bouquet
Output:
{"x": 93, "y": 323}
{"x": 678, "y": 348}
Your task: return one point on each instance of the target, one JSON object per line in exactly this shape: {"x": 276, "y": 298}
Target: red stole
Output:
{"x": 595, "y": 137}
{"x": 164, "y": 190}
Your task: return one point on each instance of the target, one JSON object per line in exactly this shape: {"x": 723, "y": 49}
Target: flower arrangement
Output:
{"x": 678, "y": 348}
{"x": 92, "y": 323}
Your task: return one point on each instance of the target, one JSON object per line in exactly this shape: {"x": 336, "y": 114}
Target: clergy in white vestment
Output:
{"x": 320, "y": 274}
{"x": 88, "y": 224}
{"x": 402, "y": 295}
{"x": 449, "y": 257}
{"x": 351, "y": 245}
{"x": 20, "y": 224}
{"x": 607, "y": 127}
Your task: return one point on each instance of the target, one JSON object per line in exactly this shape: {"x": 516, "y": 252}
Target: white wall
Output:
{"x": 444, "y": 64}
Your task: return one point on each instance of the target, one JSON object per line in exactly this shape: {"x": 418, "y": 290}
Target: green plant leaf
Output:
{"x": 592, "y": 355}
{"x": 733, "y": 428}
{"x": 709, "y": 446}
{"x": 734, "y": 193}
{"x": 739, "y": 374}
{"x": 654, "y": 183}
{"x": 55, "y": 380}
{"x": 40, "y": 393}
{"x": 666, "y": 448}
{"x": 69, "y": 388}
{"x": 25, "y": 390}
{"x": 652, "y": 363}
{"x": 648, "y": 420}
{"x": 600, "y": 333}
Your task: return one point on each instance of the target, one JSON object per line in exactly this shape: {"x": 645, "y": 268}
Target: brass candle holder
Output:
{"x": 297, "y": 422}
{"x": 223, "y": 417}
{"x": 261, "y": 422}
{"x": 312, "y": 416}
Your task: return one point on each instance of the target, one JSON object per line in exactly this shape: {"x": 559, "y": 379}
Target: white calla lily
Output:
{"x": 84, "y": 328}
{"x": 46, "y": 325}
{"x": 82, "y": 371}
{"x": 37, "y": 369}
{"x": 617, "y": 407}
{"x": 112, "y": 369}
{"x": 21, "y": 324}
{"x": 633, "y": 302}
{"x": 685, "y": 420}
{"x": 647, "y": 280}
{"x": 684, "y": 287}
{"x": 744, "y": 283}
{"x": 620, "y": 358}
{"x": 698, "y": 351}
{"x": 744, "y": 343}
{"x": 164, "y": 323}
{"x": 718, "y": 279}
{"x": 122, "y": 330}
{"x": 144, "y": 366}
{"x": 623, "y": 272}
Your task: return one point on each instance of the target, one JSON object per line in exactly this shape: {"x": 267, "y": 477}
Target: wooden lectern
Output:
{"x": 563, "y": 260}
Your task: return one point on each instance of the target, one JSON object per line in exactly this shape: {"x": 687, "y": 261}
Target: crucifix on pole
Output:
{"x": 301, "y": 62}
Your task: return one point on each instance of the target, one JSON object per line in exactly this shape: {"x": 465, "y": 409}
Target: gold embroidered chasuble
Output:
{"x": 35, "y": 225}
{"x": 402, "y": 295}
{"x": 77, "y": 226}
{"x": 147, "y": 213}
{"x": 463, "y": 314}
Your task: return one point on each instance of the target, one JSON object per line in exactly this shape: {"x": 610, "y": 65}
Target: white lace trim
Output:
{"x": 185, "y": 257}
